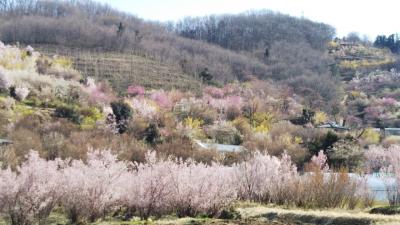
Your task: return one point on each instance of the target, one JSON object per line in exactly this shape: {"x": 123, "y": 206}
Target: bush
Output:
{"x": 386, "y": 210}
{"x": 317, "y": 139}
{"x": 7, "y": 103}
{"x": 345, "y": 154}
{"x": 328, "y": 190}
{"x": 224, "y": 133}
{"x": 69, "y": 112}
{"x": 232, "y": 113}
{"x": 152, "y": 134}
{"x": 93, "y": 188}
{"x": 90, "y": 189}
{"x": 370, "y": 136}
{"x": 5, "y": 82}
{"x": 243, "y": 126}
{"x": 30, "y": 193}
{"x": 266, "y": 179}
{"x": 177, "y": 147}
{"x": 123, "y": 112}
{"x": 391, "y": 140}
{"x": 90, "y": 117}
{"x": 262, "y": 122}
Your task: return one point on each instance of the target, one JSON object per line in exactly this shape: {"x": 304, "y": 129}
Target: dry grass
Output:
{"x": 318, "y": 215}
{"x": 124, "y": 69}
{"x": 254, "y": 214}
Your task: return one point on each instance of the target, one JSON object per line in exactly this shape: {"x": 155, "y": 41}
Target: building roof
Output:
{"x": 220, "y": 147}
{"x": 5, "y": 142}
{"x": 333, "y": 125}
{"x": 389, "y": 131}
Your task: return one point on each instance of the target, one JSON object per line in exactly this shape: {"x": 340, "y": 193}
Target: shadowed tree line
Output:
{"x": 391, "y": 42}
{"x": 255, "y": 29}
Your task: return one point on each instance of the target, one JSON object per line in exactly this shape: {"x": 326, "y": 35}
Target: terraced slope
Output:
{"x": 123, "y": 69}
{"x": 355, "y": 57}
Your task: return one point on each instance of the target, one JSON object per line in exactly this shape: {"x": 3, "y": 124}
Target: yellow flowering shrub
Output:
{"x": 333, "y": 45}
{"x": 320, "y": 117}
{"x": 63, "y": 62}
{"x": 371, "y": 136}
{"x": 90, "y": 117}
{"x": 192, "y": 123}
{"x": 242, "y": 125}
{"x": 262, "y": 122}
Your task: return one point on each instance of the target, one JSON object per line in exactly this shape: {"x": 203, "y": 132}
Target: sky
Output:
{"x": 367, "y": 17}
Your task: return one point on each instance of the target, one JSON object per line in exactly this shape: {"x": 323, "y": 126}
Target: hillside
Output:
{"x": 254, "y": 30}
{"x": 122, "y": 69}
{"x": 87, "y": 24}
{"x": 361, "y": 58}
{"x": 255, "y": 118}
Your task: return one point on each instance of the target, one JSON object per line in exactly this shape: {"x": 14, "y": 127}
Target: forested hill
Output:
{"x": 256, "y": 29}
{"x": 289, "y": 41}
{"x": 88, "y": 24}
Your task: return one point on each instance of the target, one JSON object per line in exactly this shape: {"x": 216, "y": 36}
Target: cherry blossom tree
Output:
{"x": 5, "y": 82}
{"x": 201, "y": 189}
{"x": 265, "y": 178}
{"x": 387, "y": 161}
{"x": 162, "y": 99}
{"x": 136, "y": 90}
{"x": 21, "y": 93}
{"x": 320, "y": 161}
{"x": 148, "y": 187}
{"x": 214, "y": 92}
{"x": 31, "y": 192}
{"x": 91, "y": 189}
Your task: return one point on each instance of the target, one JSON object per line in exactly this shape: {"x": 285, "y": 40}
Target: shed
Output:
{"x": 333, "y": 125}
{"x": 222, "y": 148}
{"x": 5, "y": 142}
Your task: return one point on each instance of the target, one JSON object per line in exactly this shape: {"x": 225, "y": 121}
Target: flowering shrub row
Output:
{"x": 91, "y": 189}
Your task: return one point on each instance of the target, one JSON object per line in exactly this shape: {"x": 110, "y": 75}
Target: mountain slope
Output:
{"x": 87, "y": 24}
{"x": 123, "y": 69}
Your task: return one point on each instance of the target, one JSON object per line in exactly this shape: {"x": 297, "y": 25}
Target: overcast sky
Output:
{"x": 369, "y": 17}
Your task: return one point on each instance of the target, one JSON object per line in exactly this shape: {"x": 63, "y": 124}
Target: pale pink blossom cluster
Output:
{"x": 91, "y": 189}
{"x": 214, "y": 92}
{"x": 388, "y": 102}
{"x": 320, "y": 161}
{"x": 387, "y": 162}
{"x": 31, "y": 192}
{"x": 224, "y": 103}
{"x": 185, "y": 188}
{"x": 162, "y": 99}
{"x": 144, "y": 108}
{"x": 136, "y": 90}
{"x": 377, "y": 157}
{"x": 96, "y": 92}
{"x": 265, "y": 178}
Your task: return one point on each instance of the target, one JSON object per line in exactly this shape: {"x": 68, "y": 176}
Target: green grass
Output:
{"x": 256, "y": 214}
